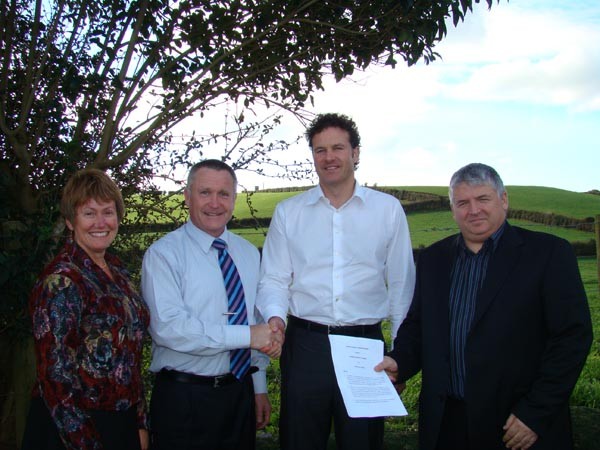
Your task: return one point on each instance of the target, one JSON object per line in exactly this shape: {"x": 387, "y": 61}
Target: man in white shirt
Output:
{"x": 337, "y": 259}
{"x": 202, "y": 398}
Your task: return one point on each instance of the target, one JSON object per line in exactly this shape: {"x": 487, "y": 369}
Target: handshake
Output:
{"x": 268, "y": 337}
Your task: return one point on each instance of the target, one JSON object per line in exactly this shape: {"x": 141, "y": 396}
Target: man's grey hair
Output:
{"x": 214, "y": 164}
{"x": 476, "y": 174}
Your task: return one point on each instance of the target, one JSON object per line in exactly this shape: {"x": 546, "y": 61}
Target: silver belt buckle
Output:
{"x": 332, "y": 328}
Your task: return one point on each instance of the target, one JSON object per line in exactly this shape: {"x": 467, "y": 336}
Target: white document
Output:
{"x": 366, "y": 393}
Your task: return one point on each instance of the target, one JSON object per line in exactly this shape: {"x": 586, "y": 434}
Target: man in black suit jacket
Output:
{"x": 499, "y": 326}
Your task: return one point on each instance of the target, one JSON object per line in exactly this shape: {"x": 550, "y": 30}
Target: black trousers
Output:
{"x": 454, "y": 433}
{"x": 185, "y": 416}
{"x": 311, "y": 399}
{"x": 118, "y": 429}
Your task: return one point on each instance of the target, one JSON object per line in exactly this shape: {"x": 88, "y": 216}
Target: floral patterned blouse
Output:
{"x": 88, "y": 332}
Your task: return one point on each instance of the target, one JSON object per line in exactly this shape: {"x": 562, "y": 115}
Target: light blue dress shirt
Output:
{"x": 184, "y": 290}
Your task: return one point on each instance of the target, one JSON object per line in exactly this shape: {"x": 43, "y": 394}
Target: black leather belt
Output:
{"x": 214, "y": 381}
{"x": 347, "y": 330}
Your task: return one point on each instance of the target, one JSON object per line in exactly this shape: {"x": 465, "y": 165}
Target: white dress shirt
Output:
{"x": 348, "y": 266}
{"x": 183, "y": 287}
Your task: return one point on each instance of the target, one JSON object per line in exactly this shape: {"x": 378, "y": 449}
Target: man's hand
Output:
{"x": 277, "y": 326}
{"x": 400, "y": 387}
{"x": 261, "y": 336}
{"x": 263, "y": 410}
{"x": 390, "y": 367}
{"x": 518, "y": 436}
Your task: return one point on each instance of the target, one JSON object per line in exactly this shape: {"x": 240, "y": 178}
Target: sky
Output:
{"x": 517, "y": 87}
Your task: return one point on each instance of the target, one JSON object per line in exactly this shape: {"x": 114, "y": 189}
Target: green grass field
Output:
{"x": 540, "y": 199}
{"x": 529, "y": 198}
{"x": 429, "y": 227}
{"x": 587, "y": 391}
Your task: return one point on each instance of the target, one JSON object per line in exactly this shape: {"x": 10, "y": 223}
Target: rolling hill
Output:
{"x": 429, "y": 226}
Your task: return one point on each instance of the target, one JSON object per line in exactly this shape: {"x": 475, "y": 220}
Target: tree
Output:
{"x": 102, "y": 84}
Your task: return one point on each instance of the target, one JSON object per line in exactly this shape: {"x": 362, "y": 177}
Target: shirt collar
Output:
{"x": 81, "y": 258}
{"x": 495, "y": 237}
{"x": 490, "y": 243}
{"x": 204, "y": 239}
{"x": 77, "y": 254}
{"x": 316, "y": 194}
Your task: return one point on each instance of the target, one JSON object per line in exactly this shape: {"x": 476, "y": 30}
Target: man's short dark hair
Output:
{"x": 333, "y": 120}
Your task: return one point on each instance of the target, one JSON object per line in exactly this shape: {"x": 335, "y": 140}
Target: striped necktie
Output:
{"x": 239, "y": 359}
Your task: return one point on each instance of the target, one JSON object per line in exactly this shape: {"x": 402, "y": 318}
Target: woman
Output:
{"x": 88, "y": 327}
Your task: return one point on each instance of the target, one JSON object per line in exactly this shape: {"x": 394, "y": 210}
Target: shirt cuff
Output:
{"x": 237, "y": 336}
{"x": 275, "y": 312}
{"x": 260, "y": 381}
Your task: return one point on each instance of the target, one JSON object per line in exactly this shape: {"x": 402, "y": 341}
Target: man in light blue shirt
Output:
{"x": 338, "y": 259}
{"x": 197, "y": 398}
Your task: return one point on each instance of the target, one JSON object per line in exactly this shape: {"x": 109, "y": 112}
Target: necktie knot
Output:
{"x": 219, "y": 244}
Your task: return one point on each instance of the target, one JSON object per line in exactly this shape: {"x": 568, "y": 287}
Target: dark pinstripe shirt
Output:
{"x": 468, "y": 275}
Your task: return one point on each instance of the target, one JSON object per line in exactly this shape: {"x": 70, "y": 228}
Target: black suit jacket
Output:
{"x": 528, "y": 342}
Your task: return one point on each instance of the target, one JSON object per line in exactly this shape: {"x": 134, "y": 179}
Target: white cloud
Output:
{"x": 514, "y": 54}
{"x": 380, "y": 96}
{"x": 412, "y": 166}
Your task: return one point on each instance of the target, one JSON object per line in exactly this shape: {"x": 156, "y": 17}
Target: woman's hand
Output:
{"x": 144, "y": 439}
